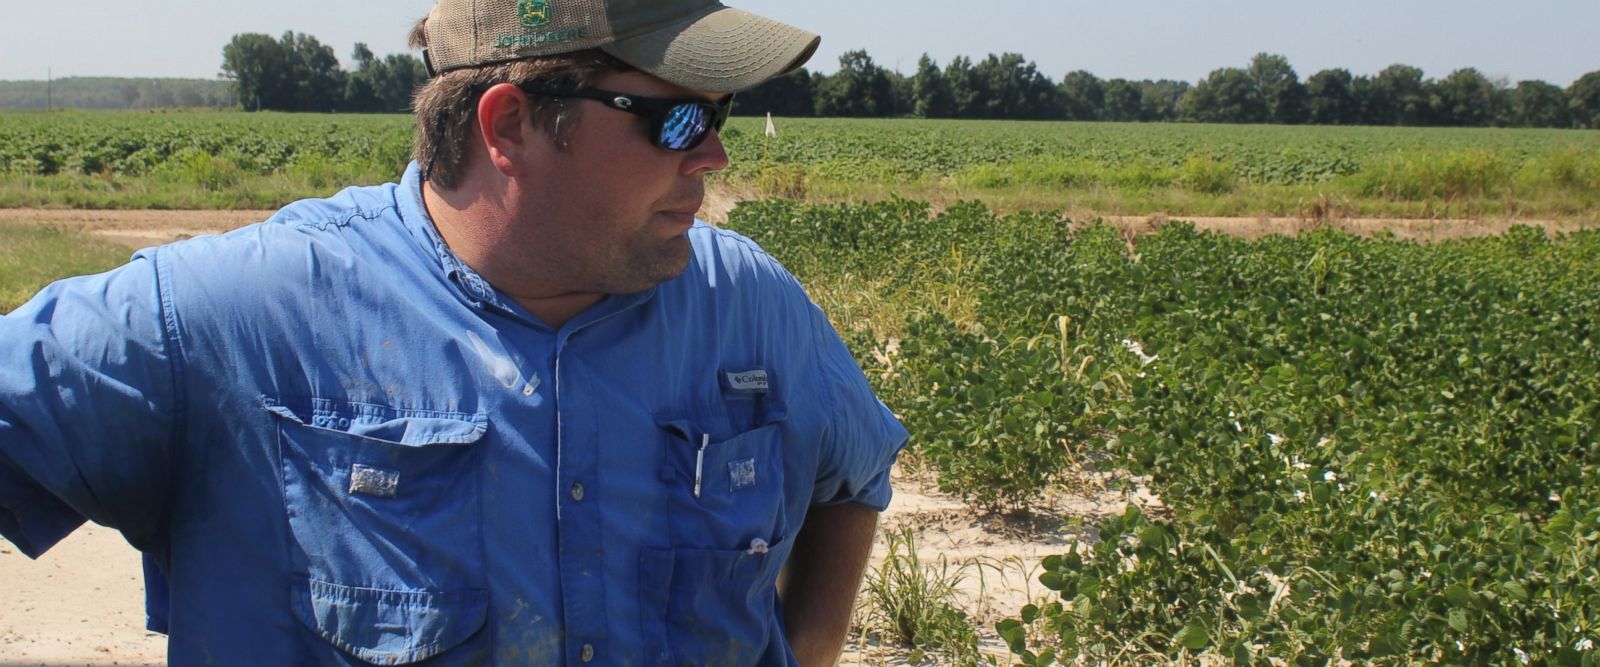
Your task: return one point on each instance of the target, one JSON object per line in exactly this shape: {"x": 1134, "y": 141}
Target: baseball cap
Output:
{"x": 698, "y": 44}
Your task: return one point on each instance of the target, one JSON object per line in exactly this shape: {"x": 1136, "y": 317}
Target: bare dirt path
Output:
{"x": 81, "y": 604}
{"x": 139, "y": 229}
{"x": 1416, "y": 230}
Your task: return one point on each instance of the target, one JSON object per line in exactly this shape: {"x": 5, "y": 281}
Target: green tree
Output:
{"x": 1466, "y": 98}
{"x": 319, "y": 83}
{"x": 1398, "y": 96}
{"x": 930, "y": 95}
{"x": 1583, "y": 101}
{"x": 130, "y": 92}
{"x": 78, "y": 92}
{"x": 402, "y": 74}
{"x": 294, "y": 73}
{"x": 361, "y": 86}
{"x": 901, "y": 103}
{"x": 261, "y": 70}
{"x": 158, "y": 97}
{"x": 1537, "y": 104}
{"x": 789, "y": 95}
{"x": 1083, "y": 96}
{"x": 1279, "y": 88}
{"x": 1122, "y": 100}
{"x": 1330, "y": 98}
{"x": 966, "y": 95}
{"x": 860, "y": 88}
{"x": 1227, "y": 95}
{"x": 1160, "y": 100}
{"x": 1014, "y": 88}
{"x": 382, "y": 85}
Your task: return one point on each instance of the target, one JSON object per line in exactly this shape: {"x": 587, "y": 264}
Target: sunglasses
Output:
{"x": 675, "y": 124}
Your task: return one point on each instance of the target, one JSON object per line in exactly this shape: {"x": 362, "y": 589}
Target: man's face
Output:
{"x": 609, "y": 214}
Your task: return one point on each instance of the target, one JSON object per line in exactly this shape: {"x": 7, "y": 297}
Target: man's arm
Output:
{"x": 87, "y": 409}
{"x": 819, "y": 583}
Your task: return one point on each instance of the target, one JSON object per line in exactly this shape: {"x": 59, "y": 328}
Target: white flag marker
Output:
{"x": 772, "y": 130}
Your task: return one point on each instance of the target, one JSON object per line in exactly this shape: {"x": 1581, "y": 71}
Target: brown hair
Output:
{"x": 446, "y": 105}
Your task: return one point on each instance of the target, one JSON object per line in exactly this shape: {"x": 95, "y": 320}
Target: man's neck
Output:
{"x": 471, "y": 227}
{"x": 555, "y": 311}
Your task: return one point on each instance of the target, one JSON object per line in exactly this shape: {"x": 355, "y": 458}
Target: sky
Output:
{"x": 1550, "y": 40}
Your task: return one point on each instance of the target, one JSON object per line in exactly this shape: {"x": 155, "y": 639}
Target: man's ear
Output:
{"x": 504, "y": 119}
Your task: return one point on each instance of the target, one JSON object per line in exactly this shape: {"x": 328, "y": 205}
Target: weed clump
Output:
{"x": 914, "y": 603}
{"x": 1208, "y": 175}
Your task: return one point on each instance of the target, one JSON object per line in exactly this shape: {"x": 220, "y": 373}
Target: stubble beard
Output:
{"x": 647, "y": 263}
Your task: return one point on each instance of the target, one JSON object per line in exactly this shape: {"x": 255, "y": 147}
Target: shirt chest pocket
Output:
{"x": 385, "y": 525}
{"x": 710, "y": 599}
{"x": 724, "y": 492}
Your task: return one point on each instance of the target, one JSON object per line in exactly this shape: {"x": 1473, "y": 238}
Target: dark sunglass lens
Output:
{"x": 684, "y": 127}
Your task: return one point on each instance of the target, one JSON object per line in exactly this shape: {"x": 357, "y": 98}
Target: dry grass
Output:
{"x": 34, "y": 255}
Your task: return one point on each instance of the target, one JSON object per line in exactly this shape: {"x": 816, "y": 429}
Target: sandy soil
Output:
{"x": 143, "y": 228}
{"x": 994, "y": 558}
{"x": 82, "y": 603}
{"x": 138, "y": 229}
{"x": 1431, "y": 229}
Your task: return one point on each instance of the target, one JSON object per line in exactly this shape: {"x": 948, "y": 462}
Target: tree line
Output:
{"x": 1267, "y": 90}
{"x": 82, "y": 92}
{"x": 298, "y": 73}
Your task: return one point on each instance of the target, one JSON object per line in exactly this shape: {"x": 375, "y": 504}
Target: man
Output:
{"x": 519, "y": 408}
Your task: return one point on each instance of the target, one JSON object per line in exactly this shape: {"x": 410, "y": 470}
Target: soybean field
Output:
{"x": 1368, "y": 450}
{"x": 262, "y": 160}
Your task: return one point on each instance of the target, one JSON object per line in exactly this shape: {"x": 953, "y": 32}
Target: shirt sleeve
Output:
{"x": 862, "y": 438}
{"x": 87, "y": 409}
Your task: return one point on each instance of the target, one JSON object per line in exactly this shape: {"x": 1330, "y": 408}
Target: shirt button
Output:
{"x": 587, "y": 654}
{"x": 577, "y": 492}
{"x": 527, "y": 389}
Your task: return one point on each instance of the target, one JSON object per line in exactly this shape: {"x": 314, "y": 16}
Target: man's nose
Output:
{"x": 708, "y": 157}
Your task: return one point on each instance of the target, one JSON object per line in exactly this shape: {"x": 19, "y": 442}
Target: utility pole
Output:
{"x": 49, "y": 81}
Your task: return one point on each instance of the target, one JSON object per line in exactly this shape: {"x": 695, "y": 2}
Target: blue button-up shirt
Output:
{"x": 341, "y": 444}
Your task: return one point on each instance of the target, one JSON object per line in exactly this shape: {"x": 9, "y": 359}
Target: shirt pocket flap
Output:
{"x": 385, "y": 627}
{"x": 414, "y": 428}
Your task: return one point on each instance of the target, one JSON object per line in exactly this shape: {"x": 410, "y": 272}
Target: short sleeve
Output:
{"x": 87, "y": 409}
{"x": 862, "y": 438}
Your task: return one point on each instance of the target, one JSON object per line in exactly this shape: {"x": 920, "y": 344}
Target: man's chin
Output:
{"x": 682, "y": 252}
{"x": 671, "y": 260}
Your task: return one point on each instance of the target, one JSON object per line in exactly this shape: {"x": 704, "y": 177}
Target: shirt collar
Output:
{"x": 472, "y": 286}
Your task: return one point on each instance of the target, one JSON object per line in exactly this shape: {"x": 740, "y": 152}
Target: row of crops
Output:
{"x": 193, "y": 160}
{"x": 142, "y": 143}
{"x": 1371, "y": 450}
{"x": 227, "y": 152}
{"x": 1278, "y": 155}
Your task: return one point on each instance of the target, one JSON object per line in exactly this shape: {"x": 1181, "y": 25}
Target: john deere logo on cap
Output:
{"x": 534, "y": 13}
